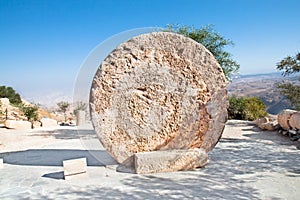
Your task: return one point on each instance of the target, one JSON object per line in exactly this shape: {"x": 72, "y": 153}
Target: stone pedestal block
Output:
{"x": 169, "y": 161}
{"x": 80, "y": 118}
{"x": 74, "y": 167}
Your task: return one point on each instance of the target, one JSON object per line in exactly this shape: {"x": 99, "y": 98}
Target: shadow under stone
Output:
{"x": 55, "y": 157}
{"x": 55, "y": 175}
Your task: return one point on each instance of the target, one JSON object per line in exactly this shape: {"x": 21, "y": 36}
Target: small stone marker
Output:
{"x": 80, "y": 118}
{"x": 169, "y": 161}
{"x": 1, "y": 163}
{"x": 74, "y": 167}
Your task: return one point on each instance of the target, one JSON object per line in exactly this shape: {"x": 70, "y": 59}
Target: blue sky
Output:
{"x": 44, "y": 43}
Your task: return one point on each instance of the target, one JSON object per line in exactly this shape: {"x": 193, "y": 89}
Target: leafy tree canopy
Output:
{"x": 31, "y": 112}
{"x": 63, "y": 107}
{"x": 80, "y": 106}
{"x": 11, "y": 94}
{"x": 290, "y": 65}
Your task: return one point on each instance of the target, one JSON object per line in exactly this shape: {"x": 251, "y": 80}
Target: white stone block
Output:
{"x": 1, "y": 163}
{"x": 17, "y": 124}
{"x": 47, "y": 122}
{"x": 169, "y": 161}
{"x": 74, "y": 167}
{"x": 80, "y": 118}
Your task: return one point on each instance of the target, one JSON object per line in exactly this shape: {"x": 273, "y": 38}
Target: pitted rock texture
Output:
{"x": 158, "y": 91}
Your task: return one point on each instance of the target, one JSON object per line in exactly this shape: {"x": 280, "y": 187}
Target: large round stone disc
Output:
{"x": 158, "y": 91}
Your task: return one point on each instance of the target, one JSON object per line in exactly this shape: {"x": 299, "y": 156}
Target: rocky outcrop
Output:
{"x": 4, "y": 102}
{"x": 158, "y": 91}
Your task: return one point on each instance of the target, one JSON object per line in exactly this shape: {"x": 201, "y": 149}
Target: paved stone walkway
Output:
{"x": 246, "y": 164}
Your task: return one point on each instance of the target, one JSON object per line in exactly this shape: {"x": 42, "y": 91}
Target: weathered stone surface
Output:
{"x": 270, "y": 126}
{"x": 47, "y": 122}
{"x": 36, "y": 124}
{"x": 158, "y": 91}
{"x": 1, "y": 163}
{"x": 74, "y": 167}
{"x": 4, "y": 102}
{"x": 169, "y": 161}
{"x": 283, "y": 118}
{"x": 261, "y": 121}
{"x": 80, "y": 118}
{"x": 295, "y": 120}
{"x": 17, "y": 124}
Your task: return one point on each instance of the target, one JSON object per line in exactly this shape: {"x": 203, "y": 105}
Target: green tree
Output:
{"x": 290, "y": 65}
{"x": 30, "y": 112}
{"x": 11, "y": 94}
{"x": 63, "y": 107}
{"x": 80, "y": 106}
{"x": 214, "y": 42}
{"x": 246, "y": 108}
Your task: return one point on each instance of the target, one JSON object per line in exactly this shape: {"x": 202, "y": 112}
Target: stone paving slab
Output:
{"x": 246, "y": 164}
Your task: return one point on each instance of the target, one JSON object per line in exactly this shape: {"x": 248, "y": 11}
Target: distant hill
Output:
{"x": 263, "y": 87}
{"x": 12, "y": 112}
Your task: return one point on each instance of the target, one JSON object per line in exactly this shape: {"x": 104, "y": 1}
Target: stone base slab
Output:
{"x": 169, "y": 161}
{"x": 74, "y": 167}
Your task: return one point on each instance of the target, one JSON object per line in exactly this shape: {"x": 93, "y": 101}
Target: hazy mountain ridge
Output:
{"x": 263, "y": 87}
{"x": 258, "y": 85}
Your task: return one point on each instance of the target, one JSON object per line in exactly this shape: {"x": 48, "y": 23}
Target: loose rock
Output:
{"x": 283, "y": 118}
{"x": 270, "y": 126}
{"x": 295, "y": 121}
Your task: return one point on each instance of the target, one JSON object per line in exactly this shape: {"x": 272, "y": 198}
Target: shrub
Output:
{"x": 80, "y": 106}
{"x": 63, "y": 107}
{"x": 11, "y": 94}
{"x": 246, "y": 108}
{"x": 31, "y": 112}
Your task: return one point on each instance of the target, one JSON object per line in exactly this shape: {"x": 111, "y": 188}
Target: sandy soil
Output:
{"x": 246, "y": 164}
